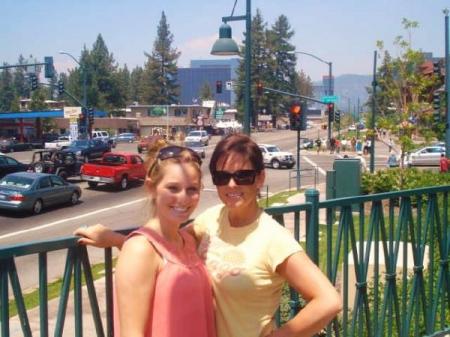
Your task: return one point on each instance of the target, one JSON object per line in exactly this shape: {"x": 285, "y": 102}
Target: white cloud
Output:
{"x": 198, "y": 48}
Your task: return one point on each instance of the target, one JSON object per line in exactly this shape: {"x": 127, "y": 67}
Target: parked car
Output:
{"x": 308, "y": 144}
{"x": 12, "y": 145}
{"x": 31, "y": 192}
{"x": 125, "y": 138}
{"x": 60, "y": 143}
{"x": 198, "y": 136}
{"x": 276, "y": 158}
{"x": 10, "y": 165}
{"x": 118, "y": 168}
{"x": 87, "y": 149}
{"x": 198, "y": 147}
{"x": 62, "y": 163}
{"x": 427, "y": 156}
{"x": 352, "y": 127}
{"x": 146, "y": 142}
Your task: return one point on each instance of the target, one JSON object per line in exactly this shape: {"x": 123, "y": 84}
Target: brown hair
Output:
{"x": 240, "y": 144}
{"x": 155, "y": 167}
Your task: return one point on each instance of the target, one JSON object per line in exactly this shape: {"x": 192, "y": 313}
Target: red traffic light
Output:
{"x": 330, "y": 106}
{"x": 296, "y": 108}
{"x": 259, "y": 89}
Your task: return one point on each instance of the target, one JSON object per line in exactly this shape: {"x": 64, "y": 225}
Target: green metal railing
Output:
{"x": 395, "y": 245}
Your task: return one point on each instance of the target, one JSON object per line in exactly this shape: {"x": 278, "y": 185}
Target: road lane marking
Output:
{"x": 309, "y": 161}
{"x": 51, "y": 224}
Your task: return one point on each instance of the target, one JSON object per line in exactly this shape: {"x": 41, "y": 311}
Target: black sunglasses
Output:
{"x": 174, "y": 151}
{"x": 241, "y": 177}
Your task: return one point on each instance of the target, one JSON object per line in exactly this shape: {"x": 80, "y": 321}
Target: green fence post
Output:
{"x": 312, "y": 225}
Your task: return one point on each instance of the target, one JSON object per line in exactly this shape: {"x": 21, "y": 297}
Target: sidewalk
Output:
{"x": 299, "y": 198}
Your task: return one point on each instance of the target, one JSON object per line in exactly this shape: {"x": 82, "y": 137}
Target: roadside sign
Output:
{"x": 219, "y": 113}
{"x": 229, "y": 85}
{"x": 329, "y": 99}
{"x": 72, "y": 111}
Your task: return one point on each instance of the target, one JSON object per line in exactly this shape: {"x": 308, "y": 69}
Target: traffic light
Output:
{"x": 437, "y": 69}
{"x": 218, "y": 87}
{"x": 91, "y": 116}
{"x": 337, "y": 117}
{"x": 297, "y": 116}
{"x": 60, "y": 87}
{"x": 436, "y": 106}
{"x": 330, "y": 107}
{"x": 259, "y": 89}
{"x": 49, "y": 70}
{"x": 33, "y": 81}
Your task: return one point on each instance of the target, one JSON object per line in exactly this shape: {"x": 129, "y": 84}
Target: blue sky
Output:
{"x": 344, "y": 31}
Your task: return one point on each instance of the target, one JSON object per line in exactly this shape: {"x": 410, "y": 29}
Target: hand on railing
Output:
{"x": 99, "y": 236}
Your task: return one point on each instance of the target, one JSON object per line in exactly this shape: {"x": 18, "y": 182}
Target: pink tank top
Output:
{"x": 183, "y": 301}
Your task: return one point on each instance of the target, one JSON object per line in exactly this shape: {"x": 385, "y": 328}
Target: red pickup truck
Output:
{"x": 117, "y": 168}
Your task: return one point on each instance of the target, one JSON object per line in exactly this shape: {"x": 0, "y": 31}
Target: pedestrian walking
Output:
{"x": 443, "y": 164}
{"x": 392, "y": 160}
{"x": 318, "y": 144}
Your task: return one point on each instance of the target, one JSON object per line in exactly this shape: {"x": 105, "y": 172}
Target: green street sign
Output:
{"x": 219, "y": 113}
{"x": 329, "y": 99}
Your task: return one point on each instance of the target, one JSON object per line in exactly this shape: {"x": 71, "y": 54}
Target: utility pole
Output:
{"x": 447, "y": 87}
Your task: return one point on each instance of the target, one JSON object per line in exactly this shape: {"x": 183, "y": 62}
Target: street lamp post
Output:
{"x": 84, "y": 89}
{"x": 226, "y": 46}
{"x": 330, "y": 83}
{"x": 447, "y": 86}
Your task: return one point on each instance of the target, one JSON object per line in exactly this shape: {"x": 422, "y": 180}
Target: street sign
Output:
{"x": 229, "y": 85}
{"x": 329, "y": 99}
{"x": 219, "y": 113}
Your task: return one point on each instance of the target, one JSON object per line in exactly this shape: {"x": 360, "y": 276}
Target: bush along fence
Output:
{"x": 387, "y": 253}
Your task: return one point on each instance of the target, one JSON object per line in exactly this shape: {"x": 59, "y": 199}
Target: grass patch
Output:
{"x": 279, "y": 198}
{"x": 31, "y": 298}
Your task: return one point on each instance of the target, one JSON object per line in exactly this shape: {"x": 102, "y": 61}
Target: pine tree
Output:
{"x": 160, "y": 72}
{"x": 283, "y": 75}
{"x": 136, "y": 91}
{"x": 6, "y": 90}
{"x": 259, "y": 71}
{"x": 304, "y": 84}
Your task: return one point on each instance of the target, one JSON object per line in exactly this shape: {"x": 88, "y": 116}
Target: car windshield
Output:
{"x": 195, "y": 134}
{"x": 80, "y": 143}
{"x": 114, "y": 159}
{"x": 193, "y": 144}
{"x": 15, "y": 181}
{"x": 273, "y": 149}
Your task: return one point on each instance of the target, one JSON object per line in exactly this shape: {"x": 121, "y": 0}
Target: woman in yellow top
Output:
{"x": 248, "y": 255}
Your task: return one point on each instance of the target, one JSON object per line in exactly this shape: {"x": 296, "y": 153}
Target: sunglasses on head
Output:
{"x": 175, "y": 151}
{"x": 241, "y": 177}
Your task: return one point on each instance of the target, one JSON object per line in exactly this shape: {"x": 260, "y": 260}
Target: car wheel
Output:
{"x": 275, "y": 164}
{"x": 92, "y": 184}
{"x": 74, "y": 198}
{"x": 63, "y": 175}
{"x": 37, "y": 206}
{"x": 39, "y": 168}
{"x": 123, "y": 185}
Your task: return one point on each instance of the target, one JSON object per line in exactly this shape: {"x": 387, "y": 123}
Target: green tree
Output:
{"x": 404, "y": 92}
{"x": 161, "y": 68}
{"x": 136, "y": 91}
{"x": 21, "y": 85}
{"x": 38, "y": 98}
{"x": 259, "y": 71}
{"x": 304, "y": 84}
{"x": 206, "y": 92}
{"x": 7, "y": 94}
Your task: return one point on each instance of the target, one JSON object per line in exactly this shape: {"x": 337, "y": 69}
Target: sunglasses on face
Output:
{"x": 241, "y": 177}
{"x": 175, "y": 151}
